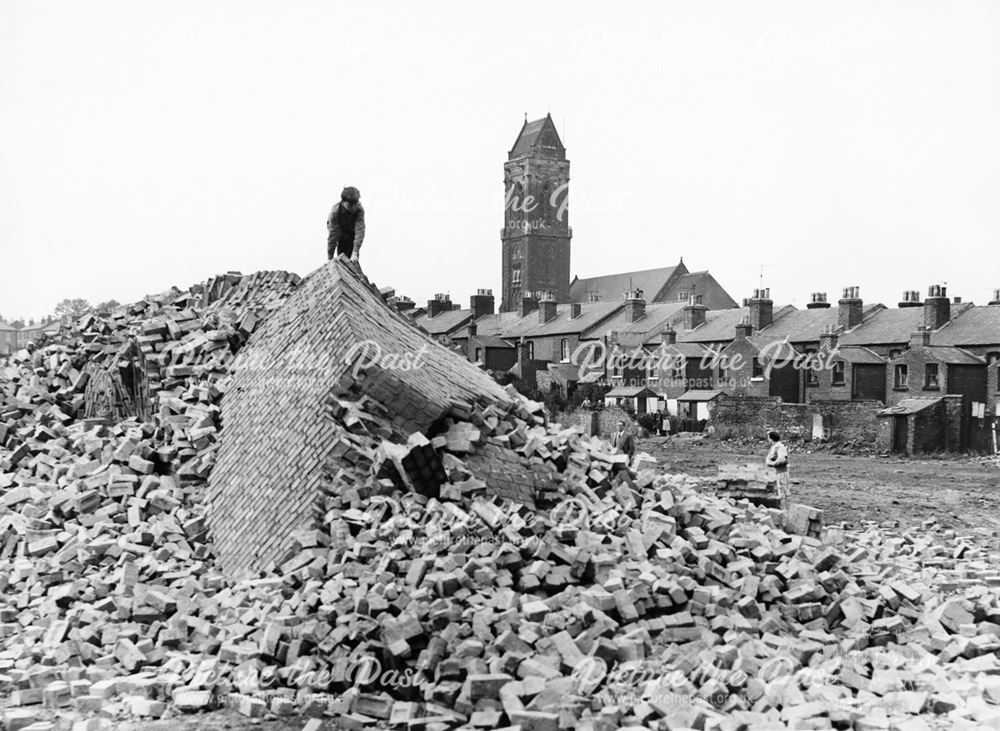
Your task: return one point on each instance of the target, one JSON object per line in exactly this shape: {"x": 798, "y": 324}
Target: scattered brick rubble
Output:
{"x": 619, "y": 600}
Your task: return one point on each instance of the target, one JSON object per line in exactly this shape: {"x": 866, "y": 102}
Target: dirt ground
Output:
{"x": 962, "y": 493}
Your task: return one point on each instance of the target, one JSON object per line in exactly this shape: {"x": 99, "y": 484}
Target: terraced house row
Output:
{"x": 929, "y": 369}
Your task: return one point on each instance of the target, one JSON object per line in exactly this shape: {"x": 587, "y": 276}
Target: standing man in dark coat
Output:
{"x": 346, "y": 226}
{"x": 622, "y": 441}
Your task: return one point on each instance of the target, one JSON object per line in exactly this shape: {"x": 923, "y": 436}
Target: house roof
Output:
{"x": 688, "y": 350}
{"x": 658, "y": 315}
{"x": 954, "y": 356}
{"x": 859, "y": 355}
{"x": 909, "y": 405}
{"x": 444, "y": 322}
{"x": 489, "y": 341}
{"x": 805, "y": 326}
{"x": 720, "y": 325}
{"x": 629, "y": 391}
{"x": 773, "y": 347}
{"x": 591, "y": 315}
{"x": 699, "y": 395}
{"x": 892, "y": 325}
{"x": 490, "y": 324}
{"x": 564, "y": 371}
{"x": 701, "y": 283}
{"x": 612, "y": 287}
{"x": 974, "y": 326}
{"x": 6, "y": 328}
{"x": 538, "y": 136}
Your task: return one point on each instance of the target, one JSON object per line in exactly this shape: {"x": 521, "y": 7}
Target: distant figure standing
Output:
{"x": 346, "y": 225}
{"x": 777, "y": 458}
{"x": 623, "y": 441}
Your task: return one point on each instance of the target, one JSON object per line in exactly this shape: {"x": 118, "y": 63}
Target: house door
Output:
{"x": 900, "y": 434}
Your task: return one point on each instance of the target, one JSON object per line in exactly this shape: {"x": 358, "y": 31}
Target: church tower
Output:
{"x": 536, "y": 235}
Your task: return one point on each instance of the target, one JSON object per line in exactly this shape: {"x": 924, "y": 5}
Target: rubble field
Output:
{"x": 421, "y": 596}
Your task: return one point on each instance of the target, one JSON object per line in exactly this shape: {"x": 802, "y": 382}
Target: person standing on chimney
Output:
{"x": 346, "y": 226}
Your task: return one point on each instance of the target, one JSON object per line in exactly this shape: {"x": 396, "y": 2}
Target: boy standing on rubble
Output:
{"x": 346, "y": 226}
{"x": 777, "y": 458}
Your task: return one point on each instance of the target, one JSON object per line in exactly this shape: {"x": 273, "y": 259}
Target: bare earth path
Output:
{"x": 958, "y": 492}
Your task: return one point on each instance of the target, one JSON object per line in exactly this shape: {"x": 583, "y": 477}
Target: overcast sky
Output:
{"x": 839, "y": 143}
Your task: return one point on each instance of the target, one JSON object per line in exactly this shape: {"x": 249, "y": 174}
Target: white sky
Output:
{"x": 843, "y": 143}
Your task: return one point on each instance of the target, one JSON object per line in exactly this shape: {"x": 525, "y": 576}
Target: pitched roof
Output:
{"x": 7, "y": 328}
{"x": 612, "y": 287}
{"x": 955, "y": 356}
{"x": 891, "y": 325}
{"x": 974, "y": 326}
{"x": 590, "y": 316}
{"x": 705, "y": 284}
{"x": 773, "y": 347}
{"x": 629, "y": 391}
{"x": 444, "y": 322}
{"x": 805, "y": 326}
{"x": 538, "y": 137}
{"x": 859, "y": 355}
{"x": 699, "y": 395}
{"x": 908, "y": 405}
{"x": 488, "y": 325}
{"x": 488, "y": 341}
{"x": 658, "y": 315}
{"x": 720, "y": 325}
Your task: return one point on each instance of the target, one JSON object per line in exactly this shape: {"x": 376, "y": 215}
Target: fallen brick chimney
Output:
{"x": 279, "y": 440}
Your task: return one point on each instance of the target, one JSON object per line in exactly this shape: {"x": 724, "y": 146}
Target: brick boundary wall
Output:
{"x": 277, "y": 435}
{"x": 752, "y": 416}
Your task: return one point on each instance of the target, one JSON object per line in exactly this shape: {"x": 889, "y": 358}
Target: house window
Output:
{"x": 697, "y": 299}
{"x": 931, "y": 376}
{"x": 682, "y": 297}
{"x": 838, "y": 373}
{"x": 678, "y": 374}
{"x": 531, "y": 350}
{"x": 758, "y": 369}
{"x": 900, "y": 376}
{"x": 479, "y": 355}
{"x": 515, "y": 275}
{"x": 564, "y": 350}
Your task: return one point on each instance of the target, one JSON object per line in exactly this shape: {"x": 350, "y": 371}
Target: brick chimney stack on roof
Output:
{"x": 440, "y": 303}
{"x": 528, "y": 304}
{"x": 546, "y": 308}
{"x": 635, "y": 305}
{"x": 850, "y": 308}
{"x": 694, "y": 315}
{"x": 828, "y": 338}
{"x": 744, "y": 328}
{"x": 922, "y": 336}
{"x": 937, "y": 307}
{"x": 482, "y": 303}
{"x": 761, "y": 309}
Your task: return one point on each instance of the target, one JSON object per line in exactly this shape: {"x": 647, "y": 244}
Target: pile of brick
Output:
{"x": 493, "y": 570}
